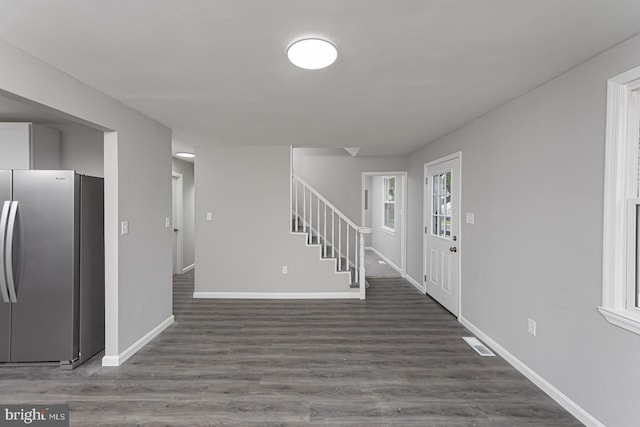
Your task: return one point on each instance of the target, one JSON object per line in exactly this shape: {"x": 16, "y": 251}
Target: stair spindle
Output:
{"x": 310, "y": 234}
{"x": 348, "y": 266}
{"x": 357, "y": 266}
{"x": 339, "y": 244}
{"x": 325, "y": 230}
{"x": 333, "y": 234}
{"x": 297, "y": 216}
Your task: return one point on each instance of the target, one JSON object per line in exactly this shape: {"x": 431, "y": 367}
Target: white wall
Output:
{"x": 244, "y": 247}
{"x": 188, "y": 214}
{"x": 338, "y": 176}
{"x": 388, "y": 244}
{"x": 82, "y": 149}
{"x": 532, "y": 171}
{"x": 137, "y": 188}
{"x": 46, "y": 147}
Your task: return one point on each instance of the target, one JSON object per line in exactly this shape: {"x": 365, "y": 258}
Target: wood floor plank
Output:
{"x": 396, "y": 359}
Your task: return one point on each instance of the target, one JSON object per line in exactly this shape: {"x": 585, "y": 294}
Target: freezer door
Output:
{"x": 5, "y": 307}
{"x": 45, "y": 316}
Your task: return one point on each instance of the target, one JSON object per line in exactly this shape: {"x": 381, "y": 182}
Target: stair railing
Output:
{"x": 338, "y": 236}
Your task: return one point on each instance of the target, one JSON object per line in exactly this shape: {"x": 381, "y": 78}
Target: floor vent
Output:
{"x": 480, "y": 348}
{"x": 381, "y": 262}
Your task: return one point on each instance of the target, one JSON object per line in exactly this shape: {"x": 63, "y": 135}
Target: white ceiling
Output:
{"x": 407, "y": 72}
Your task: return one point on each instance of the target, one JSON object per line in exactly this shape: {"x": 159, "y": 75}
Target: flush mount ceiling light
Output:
{"x": 185, "y": 155}
{"x": 312, "y": 54}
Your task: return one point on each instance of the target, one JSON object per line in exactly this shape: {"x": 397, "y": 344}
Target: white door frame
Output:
{"x": 178, "y": 222}
{"x": 403, "y": 216}
{"x": 426, "y": 213}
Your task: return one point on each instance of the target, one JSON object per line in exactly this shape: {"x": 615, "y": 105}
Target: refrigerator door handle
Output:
{"x": 9, "y": 251}
{"x": 3, "y": 229}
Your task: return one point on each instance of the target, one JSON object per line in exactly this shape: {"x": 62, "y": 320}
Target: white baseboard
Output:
{"x": 564, "y": 401}
{"x": 278, "y": 295}
{"x": 385, "y": 259}
{"x": 189, "y": 268}
{"x": 414, "y": 282}
{"x": 122, "y": 357}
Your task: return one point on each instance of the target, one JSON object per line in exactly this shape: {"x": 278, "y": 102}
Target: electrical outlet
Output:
{"x": 209, "y": 216}
{"x": 124, "y": 227}
{"x": 284, "y": 269}
{"x": 531, "y": 327}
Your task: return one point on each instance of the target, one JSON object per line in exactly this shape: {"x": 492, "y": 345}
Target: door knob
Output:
{"x": 453, "y": 249}
{"x": 175, "y": 230}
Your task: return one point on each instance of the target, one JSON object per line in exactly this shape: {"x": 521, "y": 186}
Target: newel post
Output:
{"x": 363, "y": 282}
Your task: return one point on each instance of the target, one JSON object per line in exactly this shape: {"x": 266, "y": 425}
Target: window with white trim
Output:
{"x": 389, "y": 203}
{"x": 621, "y": 238}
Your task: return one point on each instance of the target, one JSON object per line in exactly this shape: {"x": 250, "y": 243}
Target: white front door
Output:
{"x": 442, "y": 225}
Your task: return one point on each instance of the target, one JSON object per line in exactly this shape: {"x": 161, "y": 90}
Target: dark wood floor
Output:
{"x": 395, "y": 359}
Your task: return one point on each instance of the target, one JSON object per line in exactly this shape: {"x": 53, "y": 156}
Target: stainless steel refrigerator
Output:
{"x": 51, "y": 266}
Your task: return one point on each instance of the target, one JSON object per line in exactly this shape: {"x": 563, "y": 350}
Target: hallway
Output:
{"x": 376, "y": 267}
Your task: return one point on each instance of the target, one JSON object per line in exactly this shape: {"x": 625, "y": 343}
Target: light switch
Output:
{"x": 471, "y": 218}
{"x": 167, "y": 222}
{"x": 209, "y": 216}
{"x": 124, "y": 227}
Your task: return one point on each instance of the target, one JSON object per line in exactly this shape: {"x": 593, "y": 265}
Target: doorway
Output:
{"x": 384, "y": 207}
{"x": 441, "y": 264}
{"x": 177, "y": 221}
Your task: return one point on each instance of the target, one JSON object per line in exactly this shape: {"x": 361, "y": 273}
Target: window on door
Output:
{"x": 389, "y": 203}
{"x": 441, "y": 205}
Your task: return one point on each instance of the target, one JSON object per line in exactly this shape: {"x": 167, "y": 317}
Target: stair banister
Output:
{"x": 325, "y": 201}
{"x": 322, "y": 235}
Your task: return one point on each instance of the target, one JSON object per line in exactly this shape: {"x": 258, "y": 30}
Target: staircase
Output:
{"x": 336, "y": 236}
